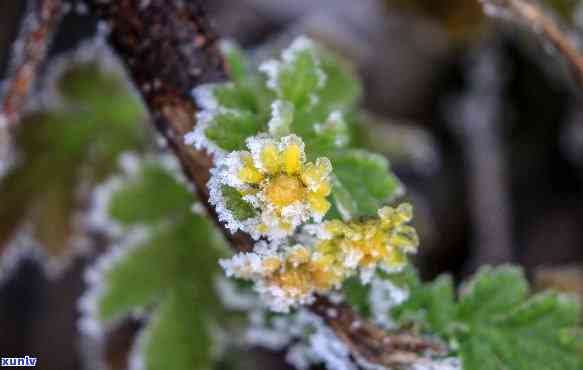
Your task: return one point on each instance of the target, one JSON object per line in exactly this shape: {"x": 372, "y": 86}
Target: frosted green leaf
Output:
{"x": 178, "y": 336}
{"x": 297, "y": 76}
{"x": 344, "y": 203}
{"x": 236, "y": 61}
{"x": 356, "y": 294}
{"x": 134, "y": 203}
{"x": 496, "y": 324}
{"x": 128, "y": 287}
{"x": 282, "y": 115}
{"x": 230, "y": 129}
{"x": 169, "y": 268}
{"x": 366, "y": 178}
{"x": 241, "y": 209}
{"x": 158, "y": 264}
{"x": 68, "y": 149}
{"x": 342, "y": 89}
{"x": 492, "y": 292}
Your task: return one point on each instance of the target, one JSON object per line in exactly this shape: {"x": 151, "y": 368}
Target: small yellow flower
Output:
{"x": 382, "y": 241}
{"x": 274, "y": 178}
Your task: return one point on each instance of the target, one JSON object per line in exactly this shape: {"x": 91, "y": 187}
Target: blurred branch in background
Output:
{"x": 476, "y": 118}
{"x": 540, "y": 23}
{"x": 29, "y": 51}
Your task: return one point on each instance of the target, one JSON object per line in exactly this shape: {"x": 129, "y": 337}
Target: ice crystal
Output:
{"x": 384, "y": 295}
{"x": 451, "y": 363}
{"x": 275, "y": 69}
{"x": 309, "y": 340}
{"x": 89, "y": 323}
{"x": 210, "y": 108}
{"x": 281, "y": 118}
{"x": 274, "y": 179}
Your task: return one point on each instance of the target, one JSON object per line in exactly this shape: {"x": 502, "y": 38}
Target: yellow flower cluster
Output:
{"x": 276, "y": 180}
{"x": 341, "y": 250}
{"x": 384, "y": 241}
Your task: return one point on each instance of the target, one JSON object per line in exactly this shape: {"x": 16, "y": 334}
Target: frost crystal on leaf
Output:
{"x": 90, "y": 323}
{"x": 274, "y": 181}
{"x": 384, "y": 295}
{"x": 210, "y": 108}
{"x": 281, "y": 118}
{"x": 276, "y": 70}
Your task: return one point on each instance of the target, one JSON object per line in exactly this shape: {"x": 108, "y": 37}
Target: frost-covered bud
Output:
{"x": 285, "y": 278}
{"x": 274, "y": 179}
{"x": 364, "y": 245}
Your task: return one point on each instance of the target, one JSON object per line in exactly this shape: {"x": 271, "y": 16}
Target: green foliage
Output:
{"x": 66, "y": 149}
{"x": 170, "y": 270}
{"x": 366, "y": 179}
{"x": 134, "y": 203}
{"x": 495, "y": 324}
{"x": 234, "y": 200}
{"x": 231, "y": 128}
{"x": 318, "y": 93}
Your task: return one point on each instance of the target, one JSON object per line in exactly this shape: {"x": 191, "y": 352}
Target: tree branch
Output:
{"x": 540, "y": 23}
{"x": 41, "y": 19}
{"x": 169, "y": 48}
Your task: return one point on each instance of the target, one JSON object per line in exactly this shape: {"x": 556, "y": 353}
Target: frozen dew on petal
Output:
{"x": 275, "y": 181}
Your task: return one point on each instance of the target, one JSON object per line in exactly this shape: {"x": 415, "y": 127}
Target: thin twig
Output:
{"x": 40, "y": 21}
{"x": 169, "y": 48}
{"x": 541, "y": 23}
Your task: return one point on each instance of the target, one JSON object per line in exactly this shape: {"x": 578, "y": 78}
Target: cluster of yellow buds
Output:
{"x": 290, "y": 276}
{"x": 275, "y": 179}
{"x": 377, "y": 242}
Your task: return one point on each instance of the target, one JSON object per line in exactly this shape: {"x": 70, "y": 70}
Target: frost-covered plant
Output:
{"x": 290, "y": 172}
{"x": 286, "y": 156}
